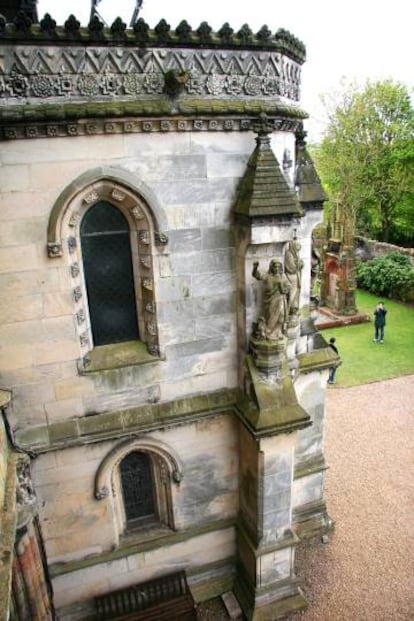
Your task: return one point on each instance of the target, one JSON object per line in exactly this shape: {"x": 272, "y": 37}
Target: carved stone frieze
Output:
{"x": 100, "y": 127}
{"x": 73, "y": 73}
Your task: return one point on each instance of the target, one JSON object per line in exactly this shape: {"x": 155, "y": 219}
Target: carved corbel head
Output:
{"x": 174, "y": 82}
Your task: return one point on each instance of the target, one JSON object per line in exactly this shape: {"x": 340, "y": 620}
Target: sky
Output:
{"x": 356, "y": 40}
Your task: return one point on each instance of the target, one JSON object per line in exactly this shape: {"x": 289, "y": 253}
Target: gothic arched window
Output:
{"x": 107, "y": 263}
{"x": 108, "y": 229}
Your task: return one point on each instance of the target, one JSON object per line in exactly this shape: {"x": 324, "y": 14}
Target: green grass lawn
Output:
{"x": 364, "y": 361}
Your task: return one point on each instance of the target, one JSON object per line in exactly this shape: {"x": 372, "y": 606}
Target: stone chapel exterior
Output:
{"x": 162, "y": 383}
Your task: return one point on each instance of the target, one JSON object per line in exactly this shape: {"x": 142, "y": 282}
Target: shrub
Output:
{"x": 391, "y": 276}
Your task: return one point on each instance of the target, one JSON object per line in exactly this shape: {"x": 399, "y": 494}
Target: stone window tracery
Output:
{"x": 71, "y": 230}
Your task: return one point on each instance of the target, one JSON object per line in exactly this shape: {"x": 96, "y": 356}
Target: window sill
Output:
{"x": 116, "y": 356}
{"x": 144, "y": 534}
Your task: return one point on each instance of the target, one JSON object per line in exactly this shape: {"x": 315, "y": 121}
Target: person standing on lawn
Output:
{"x": 332, "y": 370}
{"x": 379, "y": 322}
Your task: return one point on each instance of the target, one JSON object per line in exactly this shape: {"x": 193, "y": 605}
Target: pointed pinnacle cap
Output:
{"x": 263, "y": 190}
{"x": 307, "y": 180}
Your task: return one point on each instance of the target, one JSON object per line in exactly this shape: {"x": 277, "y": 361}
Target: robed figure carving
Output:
{"x": 293, "y": 271}
{"x": 273, "y": 324}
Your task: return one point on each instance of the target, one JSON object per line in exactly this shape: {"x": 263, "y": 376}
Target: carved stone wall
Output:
{"x": 52, "y": 73}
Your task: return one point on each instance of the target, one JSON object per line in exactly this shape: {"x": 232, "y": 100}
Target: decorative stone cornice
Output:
{"x": 15, "y": 126}
{"x": 47, "y": 31}
{"x": 54, "y": 72}
{"x": 53, "y": 83}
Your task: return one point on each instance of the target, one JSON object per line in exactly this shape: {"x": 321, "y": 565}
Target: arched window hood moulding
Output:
{"x": 104, "y": 473}
{"x": 120, "y": 179}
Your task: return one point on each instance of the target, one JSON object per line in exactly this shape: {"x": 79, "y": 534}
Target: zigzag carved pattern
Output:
{"x": 70, "y": 64}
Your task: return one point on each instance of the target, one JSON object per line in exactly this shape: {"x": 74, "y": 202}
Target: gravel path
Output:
{"x": 366, "y": 570}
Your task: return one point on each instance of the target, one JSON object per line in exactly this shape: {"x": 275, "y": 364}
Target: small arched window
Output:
{"x": 107, "y": 262}
{"x": 139, "y": 476}
{"x": 138, "y": 489}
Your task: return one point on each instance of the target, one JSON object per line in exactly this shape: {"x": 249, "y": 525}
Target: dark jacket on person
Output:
{"x": 380, "y": 317}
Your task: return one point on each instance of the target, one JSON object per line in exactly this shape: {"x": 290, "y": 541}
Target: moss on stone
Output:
{"x": 159, "y": 107}
{"x": 135, "y": 545}
{"x": 317, "y": 360}
{"x": 119, "y": 355}
{"x": 59, "y": 432}
{"x": 8, "y": 520}
{"x": 107, "y": 425}
{"x": 276, "y": 406}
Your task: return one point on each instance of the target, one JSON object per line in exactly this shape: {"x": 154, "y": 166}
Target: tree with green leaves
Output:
{"x": 366, "y": 159}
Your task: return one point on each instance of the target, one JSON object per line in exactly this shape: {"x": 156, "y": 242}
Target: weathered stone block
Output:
{"x": 173, "y": 289}
{"x": 195, "y": 191}
{"x": 58, "y": 304}
{"x": 34, "y": 438}
{"x": 20, "y": 233}
{"x": 19, "y": 326}
{"x": 100, "y": 424}
{"x": 71, "y": 388}
{"x": 185, "y": 240}
{"x": 29, "y": 283}
{"x": 226, "y": 164}
{"x": 203, "y": 262}
{"x": 19, "y": 258}
{"x": 14, "y": 178}
{"x": 60, "y": 432}
{"x": 45, "y": 353}
{"x": 193, "y": 348}
{"x": 172, "y": 168}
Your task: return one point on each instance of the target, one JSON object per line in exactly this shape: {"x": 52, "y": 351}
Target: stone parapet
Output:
{"x": 47, "y": 32}
{"x": 72, "y": 83}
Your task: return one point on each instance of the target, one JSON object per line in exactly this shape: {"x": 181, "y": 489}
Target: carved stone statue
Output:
{"x": 275, "y": 304}
{"x": 26, "y": 501}
{"x": 293, "y": 270}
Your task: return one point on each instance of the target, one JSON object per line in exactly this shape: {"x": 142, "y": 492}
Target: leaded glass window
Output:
{"x": 137, "y": 487}
{"x": 107, "y": 260}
